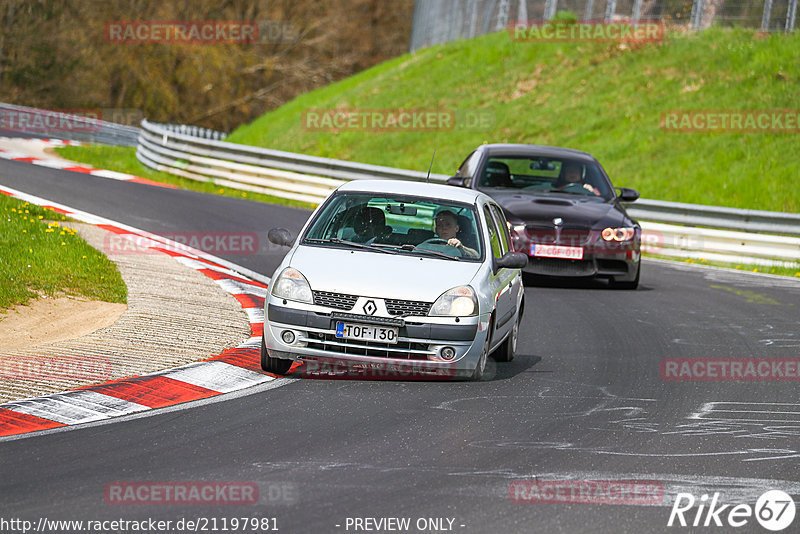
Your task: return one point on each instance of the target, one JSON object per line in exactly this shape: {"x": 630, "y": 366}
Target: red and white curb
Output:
{"x": 57, "y": 163}
{"x": 233, "y": 370}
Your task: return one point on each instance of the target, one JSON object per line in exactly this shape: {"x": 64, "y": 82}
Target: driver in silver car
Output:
{"x": 446, "y": 227}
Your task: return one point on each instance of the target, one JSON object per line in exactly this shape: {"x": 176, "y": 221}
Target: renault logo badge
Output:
{"x": 370, "y": 308}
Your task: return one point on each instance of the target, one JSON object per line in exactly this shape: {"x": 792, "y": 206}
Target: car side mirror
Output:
{"x": 628, "y": 195}
{"x": 458, "y": 181}
{"x": 280, "y": 236}
{"x": 510, "y": 260}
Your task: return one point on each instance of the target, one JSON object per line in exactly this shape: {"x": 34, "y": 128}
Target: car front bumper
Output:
{"x": 416, "y": 355}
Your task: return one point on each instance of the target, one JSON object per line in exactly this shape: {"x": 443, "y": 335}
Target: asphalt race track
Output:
{"x": 583, "y": 401}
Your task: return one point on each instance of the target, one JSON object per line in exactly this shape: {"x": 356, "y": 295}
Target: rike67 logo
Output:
{"x": 774, "y": 510}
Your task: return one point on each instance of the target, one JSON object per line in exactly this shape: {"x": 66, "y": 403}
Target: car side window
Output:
{"x": 494, "y": 234}
{"x": 502, "y": 228}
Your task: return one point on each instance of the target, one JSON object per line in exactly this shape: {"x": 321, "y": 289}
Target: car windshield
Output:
{"x": 401, "y": 224}
{"x": 545, "y": 175}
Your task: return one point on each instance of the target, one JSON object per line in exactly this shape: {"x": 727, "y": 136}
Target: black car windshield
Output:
{"x": 545, "y": 175}
{"x": 402, "y": 224}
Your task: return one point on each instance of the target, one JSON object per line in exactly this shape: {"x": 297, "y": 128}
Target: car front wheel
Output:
{"x": 506, "y": 351}
{"x": 481, "y": 367}
{"x": 278, "y": 366}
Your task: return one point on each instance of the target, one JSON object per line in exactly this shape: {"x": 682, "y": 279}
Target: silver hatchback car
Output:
{"x": 395, "y": 279}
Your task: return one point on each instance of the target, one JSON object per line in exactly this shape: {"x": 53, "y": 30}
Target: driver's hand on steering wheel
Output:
{"x": 591, "y": 188}
{"x": 454, "y": 242}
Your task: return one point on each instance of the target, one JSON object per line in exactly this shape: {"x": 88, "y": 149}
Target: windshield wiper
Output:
{"x": 337, "y": 241}
{"x": 413, "y": 248}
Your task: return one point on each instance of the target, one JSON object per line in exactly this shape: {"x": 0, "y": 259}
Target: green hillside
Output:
{"x": 604, "y": 98}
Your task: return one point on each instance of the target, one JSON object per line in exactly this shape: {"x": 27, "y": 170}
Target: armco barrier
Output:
{"x": 273, "y": 172}
{"x": 34, "y": 122}
{"x": 309, "y": 178}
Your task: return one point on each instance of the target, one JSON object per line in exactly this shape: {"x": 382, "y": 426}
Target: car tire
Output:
{"x": 481, "y": 367}
{"x": 278, "y": 366}
{"x": 629, "y": 285}
{"x": 505, "y": 352}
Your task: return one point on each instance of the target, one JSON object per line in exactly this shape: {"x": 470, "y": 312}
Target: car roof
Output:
{"x": 404, "y": 187}
{"x": 514, "y": 149}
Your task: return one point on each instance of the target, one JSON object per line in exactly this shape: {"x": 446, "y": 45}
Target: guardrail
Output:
{"x": 34, "y": 122}
{"x": 311, "y": 179}
{"x": 263, "y": 170}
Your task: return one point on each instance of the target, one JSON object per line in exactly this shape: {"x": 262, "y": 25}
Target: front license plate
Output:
{"x": 366, "y": 332}
{"x": 557, "y": 251}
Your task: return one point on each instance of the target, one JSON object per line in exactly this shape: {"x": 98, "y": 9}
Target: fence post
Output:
{"x": 502, "y": 15}
{"x": 791, "y": 11}
{"x": 589, "y": 9}
{"x": 637, "y": 11}
{"x": 611, "y": 9}
{"x": 698, "y": 10}
{"x": 765, "y": 17}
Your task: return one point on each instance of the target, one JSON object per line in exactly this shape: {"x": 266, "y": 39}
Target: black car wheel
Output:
{"x": 279, "y": 366}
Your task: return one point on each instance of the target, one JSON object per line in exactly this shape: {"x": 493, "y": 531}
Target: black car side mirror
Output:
{"x": 458, "y": 181}
{"x": 510, "y": 260}
{"x": 628, "y": 195}
{"x": 280, "y": 236}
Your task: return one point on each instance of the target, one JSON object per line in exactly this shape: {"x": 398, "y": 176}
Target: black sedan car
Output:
{"x": 562, "y": 210}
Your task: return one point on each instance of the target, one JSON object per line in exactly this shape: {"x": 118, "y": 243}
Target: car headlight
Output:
{"x": 457, "y": 302}
{"x": 618, "y": 234}
{"x": 292, "y": 285}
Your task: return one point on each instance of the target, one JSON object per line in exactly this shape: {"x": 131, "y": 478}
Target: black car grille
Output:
{"x": 338, "y": 301}
{"x": 407, "y": 307}
{"x": 331, "y": 343}
{"x": 561, "y": 267}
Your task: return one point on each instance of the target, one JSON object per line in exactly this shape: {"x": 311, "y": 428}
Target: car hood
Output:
{"x": 579, "y": 211}
{"x": 374, "y": 274}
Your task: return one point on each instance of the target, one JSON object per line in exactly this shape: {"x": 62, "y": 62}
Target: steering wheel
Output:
{"x": 576, "y": 187}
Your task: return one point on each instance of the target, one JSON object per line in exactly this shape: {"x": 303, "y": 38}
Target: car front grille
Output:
{"x": 408, "y": 307}
{"x": 337, "y": 301}
{"x": 341, "y": 301}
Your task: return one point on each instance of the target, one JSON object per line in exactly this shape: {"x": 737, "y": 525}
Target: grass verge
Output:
{"x": 41, "y": 255}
